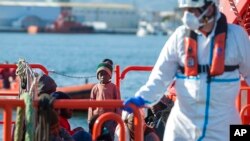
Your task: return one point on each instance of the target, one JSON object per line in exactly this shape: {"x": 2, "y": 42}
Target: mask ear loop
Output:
{"x": 206, "y": 18}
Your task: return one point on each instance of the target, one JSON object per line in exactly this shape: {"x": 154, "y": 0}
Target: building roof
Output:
{"x": 68, "y": 4}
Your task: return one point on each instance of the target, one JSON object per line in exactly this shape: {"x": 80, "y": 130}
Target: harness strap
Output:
{"x": 205, "y": 68}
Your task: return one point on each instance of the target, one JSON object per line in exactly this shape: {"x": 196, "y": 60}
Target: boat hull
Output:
{"x": 75, "y": 92}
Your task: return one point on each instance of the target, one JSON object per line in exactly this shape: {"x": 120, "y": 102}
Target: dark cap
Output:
{"x": 46, "y": 84}
{"x": 60, "y": 95}
{"x": 104, "y": 67}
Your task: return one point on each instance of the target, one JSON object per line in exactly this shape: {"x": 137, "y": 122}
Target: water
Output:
{"x": 79, "y": 55}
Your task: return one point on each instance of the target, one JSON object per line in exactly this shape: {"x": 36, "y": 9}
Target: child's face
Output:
{"x": 103, "y": 77}
{"x": 66, "y": 113}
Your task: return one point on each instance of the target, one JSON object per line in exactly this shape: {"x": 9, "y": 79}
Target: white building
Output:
{"x": 22, "y": 14}
{"x": 117, "y": 17}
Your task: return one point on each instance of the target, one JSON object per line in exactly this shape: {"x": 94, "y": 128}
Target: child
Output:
{"x": 104, "y": 90}
{"x": 57, "y": 133}
{"x": 108, "y": 61}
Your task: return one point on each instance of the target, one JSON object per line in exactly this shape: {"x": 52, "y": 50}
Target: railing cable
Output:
{"x": 70, "y": 76}
{"x": 86, "y": 78}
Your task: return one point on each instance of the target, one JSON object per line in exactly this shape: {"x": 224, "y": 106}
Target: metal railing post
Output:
{"x": 108, "y": 116}
{"x": 7, "y": 118}
{"x": 117, "y": 76}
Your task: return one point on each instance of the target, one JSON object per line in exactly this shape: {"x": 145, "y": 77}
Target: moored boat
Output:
{"x": 67, "y": 23}
{"x": 74, "y": 91}
{"x": 77, "y": 91}
{"x": 7, "y": 75}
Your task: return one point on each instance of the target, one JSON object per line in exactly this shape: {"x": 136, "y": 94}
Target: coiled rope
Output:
{"x": 28, "y": 78}
{"x": 245, "y": 21}
{"x": 29, "y": 117}
{"x": 234, "y": 8}
{"x": 26, "y": 92}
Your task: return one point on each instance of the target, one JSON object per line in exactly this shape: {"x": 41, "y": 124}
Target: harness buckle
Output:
{"x": 203, "y": 68}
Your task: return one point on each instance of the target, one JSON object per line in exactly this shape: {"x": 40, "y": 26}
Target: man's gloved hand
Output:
{"x": 138, "y": 101}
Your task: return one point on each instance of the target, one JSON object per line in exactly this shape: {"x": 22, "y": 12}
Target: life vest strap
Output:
{"x": 206, "y": 68}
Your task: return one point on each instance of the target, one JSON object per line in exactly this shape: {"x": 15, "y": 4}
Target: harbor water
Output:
{"x": 79, "y": 54}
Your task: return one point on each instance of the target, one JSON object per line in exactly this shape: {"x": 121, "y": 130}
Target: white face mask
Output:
{"x": 192, "y": 22}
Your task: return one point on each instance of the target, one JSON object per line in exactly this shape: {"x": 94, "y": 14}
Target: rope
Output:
{"x": 27, "y": 77}
{"x": 29, "y": 111}
{"x": 27, "y": 91}
{"x": 18, "y": 132}
{"x": 234, "y": 8}
{"x": 247, "y": 19}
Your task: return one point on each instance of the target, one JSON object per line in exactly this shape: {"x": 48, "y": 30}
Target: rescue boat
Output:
{"x": 66, "y": 23}
{"x": 77, "y": 91}
{"x": 240, "y": 14}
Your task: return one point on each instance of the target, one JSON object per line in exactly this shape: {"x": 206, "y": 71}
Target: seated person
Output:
{"x": 46, "y": 84}
{"x": 79, "y": 134}
{"x": 57, "y": 133}
{"x": 149, "y": 133}
{"x": 105, "y": 134}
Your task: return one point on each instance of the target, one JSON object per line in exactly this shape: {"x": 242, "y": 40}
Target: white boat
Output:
{"x": 145, "y": 28}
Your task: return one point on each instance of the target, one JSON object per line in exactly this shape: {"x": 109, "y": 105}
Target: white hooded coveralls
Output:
{"x": 203, "y": 111}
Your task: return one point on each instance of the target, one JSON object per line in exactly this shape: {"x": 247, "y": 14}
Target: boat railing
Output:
{"x": 242, "y": 101}
{"x": 245, "y": 120}
{"x": 34, "y": 66}
{"x": 121, "y": 75}
{"x": 243, "y": 98}
{"x": 14, "y": 66}
{"x": 9, "y": 104}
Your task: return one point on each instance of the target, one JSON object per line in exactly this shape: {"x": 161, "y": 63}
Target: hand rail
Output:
{"x": 34, "y": 66}
{"x": 14, "y": 66}
{"x": 106, "y": 116}
{"x": 242, "y": 113}
{"x": 121, "y": 76}
{"x": 9, "y": 104}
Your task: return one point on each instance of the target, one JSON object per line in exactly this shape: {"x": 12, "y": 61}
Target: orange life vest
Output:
{"x": 191, "y": 66}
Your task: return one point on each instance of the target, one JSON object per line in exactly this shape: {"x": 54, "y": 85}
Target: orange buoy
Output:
{"x": 32, "y": 29}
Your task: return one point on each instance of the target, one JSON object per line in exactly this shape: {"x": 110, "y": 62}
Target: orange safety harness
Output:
{"x": 191, "y": 66}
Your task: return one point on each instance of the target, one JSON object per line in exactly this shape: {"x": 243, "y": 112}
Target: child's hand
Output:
{"x": 138, "y": 101}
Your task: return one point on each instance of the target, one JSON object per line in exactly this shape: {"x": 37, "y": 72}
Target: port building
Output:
{"x": 110, "y": 17}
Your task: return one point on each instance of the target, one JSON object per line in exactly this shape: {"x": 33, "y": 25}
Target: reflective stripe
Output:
{"x": 214, "y": 80}
{"x": 206, "y": 113}
{"x": 225, "y": 80}
{"x": 187, "y": 77}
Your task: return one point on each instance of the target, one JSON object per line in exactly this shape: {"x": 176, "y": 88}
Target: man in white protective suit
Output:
{"x": 206, "y": 57}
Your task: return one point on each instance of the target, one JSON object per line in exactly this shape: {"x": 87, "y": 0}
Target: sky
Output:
{"x": 149, "y": 5}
